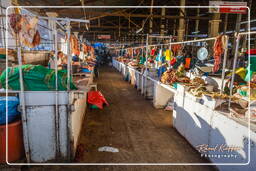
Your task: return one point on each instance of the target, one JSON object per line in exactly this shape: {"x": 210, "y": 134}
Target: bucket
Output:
{"x": 15, "y": 142}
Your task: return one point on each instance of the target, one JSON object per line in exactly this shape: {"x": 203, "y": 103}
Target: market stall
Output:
{"x": 220, "y": 121}
{"x": 52, "y": 111}
{"x": 204, "y": 110}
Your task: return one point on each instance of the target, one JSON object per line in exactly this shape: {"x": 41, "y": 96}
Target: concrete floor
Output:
{"x": 130, "y": 123}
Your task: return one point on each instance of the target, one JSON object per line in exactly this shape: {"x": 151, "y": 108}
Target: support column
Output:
{"x": 197, "y": 22}
{"x": 151, "y": 20}
{"x": 119, "y": 32}
{"x": 174, "y": 27}
{"x": 181, "y": 29}
{"x": 98, "y": 22}
{"x": 162, "y": 21}
{"x": 214, "y": 25}
{"x": 225, "y": 24}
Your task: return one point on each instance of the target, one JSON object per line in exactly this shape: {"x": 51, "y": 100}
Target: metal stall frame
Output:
{"x": 144, "y": 75}
{"x": 185, "y": 42}
{"x": 22, "y": 94}
{"x": 235, "y": 61}
{"x": 203, "y": 40}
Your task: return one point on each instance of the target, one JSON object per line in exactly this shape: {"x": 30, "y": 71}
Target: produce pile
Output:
{"x": 171, "y": 76}
{"x": 135, "y": 64}
{"x": 197, "y": 87}
{"x": 123, "y": 59}
{"x": 253, "y": 87}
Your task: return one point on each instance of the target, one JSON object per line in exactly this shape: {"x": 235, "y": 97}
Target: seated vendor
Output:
{"x": 60, "y": 60}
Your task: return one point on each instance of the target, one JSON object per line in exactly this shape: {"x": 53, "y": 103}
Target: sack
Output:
{"x": 13, "y": 113}
{"x": 35, "y": 78}
{"x": 97, "y": 99}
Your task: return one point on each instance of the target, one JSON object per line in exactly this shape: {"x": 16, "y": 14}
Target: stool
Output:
{"x": 93, "y": 85}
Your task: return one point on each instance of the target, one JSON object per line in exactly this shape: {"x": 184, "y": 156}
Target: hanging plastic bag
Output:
{"x": 152, "y": 53}
{"x": 158, "y": 58}
{"x": 168, "y": 55}
{"x": 173, "y": 61}
{"x": 97, "y": 99}
{"x": 187, "y": 63}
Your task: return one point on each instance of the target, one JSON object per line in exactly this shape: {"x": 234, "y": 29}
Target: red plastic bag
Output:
{"x": 173, "y": 61}
{"x": 96, "y": 98}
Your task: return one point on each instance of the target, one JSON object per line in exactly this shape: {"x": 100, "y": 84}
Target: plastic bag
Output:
{"x": 13, "y": 113}
{"x": 108, "y": 149}
{"x": 97, "y": 99}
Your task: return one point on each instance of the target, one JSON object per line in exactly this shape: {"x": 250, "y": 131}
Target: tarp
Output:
{"x": 35, "y": 78}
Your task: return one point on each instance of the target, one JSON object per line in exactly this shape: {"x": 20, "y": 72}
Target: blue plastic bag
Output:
{"x": 13, "y": 113}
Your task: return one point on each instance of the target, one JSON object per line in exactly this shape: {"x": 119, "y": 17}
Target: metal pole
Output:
{"x": 69, "y": 56}
{"x": 224, "y": 66}
{"x": 23, "y": 106}
{"x": 183, "y": 42}
{"x": 70, "y": 148}
{"x": 55, "y": 33}
{"x": 234, "y": 68}
{"x": 67, "y": 19}
{"x": 146, "y": 70}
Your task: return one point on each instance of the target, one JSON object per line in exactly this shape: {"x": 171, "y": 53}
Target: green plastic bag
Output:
{"x": 142, "y": 60}
{"x": 36, "y": 78}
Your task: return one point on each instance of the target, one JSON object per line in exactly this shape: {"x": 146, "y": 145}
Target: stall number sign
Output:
{"x": 104, "y": 37}
{"x": 224, "y": 7}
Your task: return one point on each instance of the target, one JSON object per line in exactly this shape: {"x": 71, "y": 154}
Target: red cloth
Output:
{"x": 96, "y": 98}
{"x": 251, "y": 52}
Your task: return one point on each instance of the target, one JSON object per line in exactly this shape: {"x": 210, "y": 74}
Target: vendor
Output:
{"x": 61, "y": 60}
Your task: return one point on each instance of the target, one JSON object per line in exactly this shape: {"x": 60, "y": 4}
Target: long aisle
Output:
{"x": 130, "y": 123}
